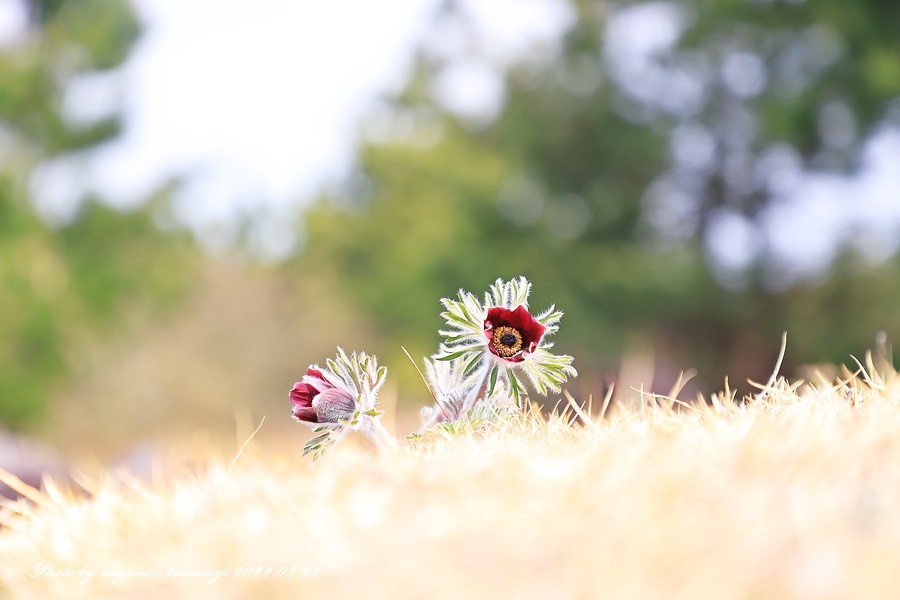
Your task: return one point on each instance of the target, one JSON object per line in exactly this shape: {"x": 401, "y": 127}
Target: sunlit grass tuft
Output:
{"x": 790, "y": 493}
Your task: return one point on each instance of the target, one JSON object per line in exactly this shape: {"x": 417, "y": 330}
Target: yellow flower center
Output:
{"x": 507, "y": 341}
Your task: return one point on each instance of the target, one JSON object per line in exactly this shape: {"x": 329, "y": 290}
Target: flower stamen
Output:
{"x": 507, "y": 341}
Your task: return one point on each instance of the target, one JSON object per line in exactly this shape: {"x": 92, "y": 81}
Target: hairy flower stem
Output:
{"x": 372, "y": 428}
{"x": 479, "y": 392}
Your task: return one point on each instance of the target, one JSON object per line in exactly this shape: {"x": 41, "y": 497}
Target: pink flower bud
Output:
{"x": 317, "y": 400}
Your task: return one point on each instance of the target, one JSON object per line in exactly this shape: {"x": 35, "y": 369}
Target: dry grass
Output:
{"x": 793, "y": 494}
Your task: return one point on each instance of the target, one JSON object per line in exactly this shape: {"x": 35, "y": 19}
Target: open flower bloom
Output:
{"x": 499, "y": 339}
{"x": 316, "y": 400}
{"x": 512, "y": 334}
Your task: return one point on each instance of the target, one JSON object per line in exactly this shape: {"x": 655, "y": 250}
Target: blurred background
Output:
{"x": 199, "y": 199}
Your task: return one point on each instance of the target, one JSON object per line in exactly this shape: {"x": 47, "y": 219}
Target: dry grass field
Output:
{"x": 793, "y": 493}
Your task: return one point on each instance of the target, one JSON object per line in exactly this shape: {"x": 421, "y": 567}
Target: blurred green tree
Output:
{"x": 57, "y": 282}
{"x": 605, "y": 170}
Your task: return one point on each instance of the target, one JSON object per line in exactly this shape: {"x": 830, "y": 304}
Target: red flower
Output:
{"x": 317, "y": 400}
{"x": 511, "y": 334}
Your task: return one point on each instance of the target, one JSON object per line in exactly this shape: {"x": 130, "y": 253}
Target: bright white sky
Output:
{"x": 255, "y": 102}
{"x": 262, "y": 92}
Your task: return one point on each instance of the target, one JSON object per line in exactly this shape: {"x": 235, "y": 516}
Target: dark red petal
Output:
{"x": 497, "y": 316}
{"x": 308, "y": 415}
{"x": 302, "y": 395}
{"x": 531, "y": 330}
{"x": 316, "y": 379}
{"x": 519, "y": 319}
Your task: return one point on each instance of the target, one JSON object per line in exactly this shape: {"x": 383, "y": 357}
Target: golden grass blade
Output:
{"x": 606, "y": 400}
{"x": 54, "y": 492}
{"x": 673, "y": 401}
{"x": 238, "y": 455}
{"x": 424, "y": 380}
{"x": 683, "y": 378}
{"x": 774, "y": 376}
{"x": 579, "y": 411}
{"x": 27, "y": 491}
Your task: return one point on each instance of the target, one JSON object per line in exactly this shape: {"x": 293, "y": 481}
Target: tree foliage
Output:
{"x": 61, "y": 283}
